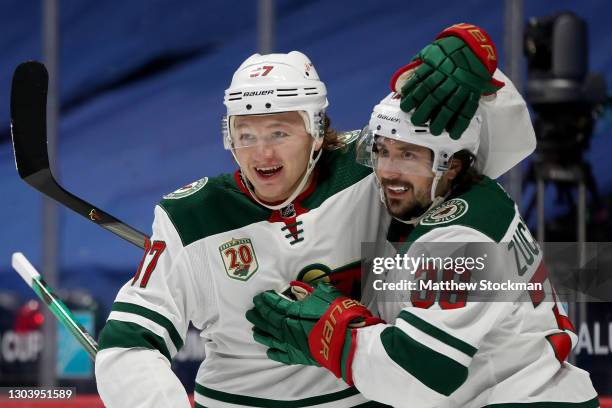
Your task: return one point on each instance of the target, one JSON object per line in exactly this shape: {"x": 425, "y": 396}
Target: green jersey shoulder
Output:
{"x": 210, "y": 206}
{"x": 485, "y": 207}
{"x": 337, "y": 170}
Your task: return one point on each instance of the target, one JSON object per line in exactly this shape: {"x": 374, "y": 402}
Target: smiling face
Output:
{"x": 405, "y": 175}
{"x": 273, "y": 152}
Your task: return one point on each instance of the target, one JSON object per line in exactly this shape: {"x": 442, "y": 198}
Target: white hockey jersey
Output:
{"x": 213, "y": 249}
{"x": 443, "y": 350}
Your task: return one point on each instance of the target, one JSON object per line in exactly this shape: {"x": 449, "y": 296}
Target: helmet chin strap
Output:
{"x": 314, "y": 158}
{"x": 435, "y": 201}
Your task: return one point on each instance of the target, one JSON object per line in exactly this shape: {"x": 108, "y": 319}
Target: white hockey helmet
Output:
{"x": 276, "y": 83}
{"x": 389, "y": 121}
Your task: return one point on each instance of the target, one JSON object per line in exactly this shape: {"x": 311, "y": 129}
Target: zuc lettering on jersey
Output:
{"x": 523, "y": 242}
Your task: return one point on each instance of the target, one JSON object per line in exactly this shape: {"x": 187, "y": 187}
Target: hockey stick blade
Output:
{"x": 28, "y": 118}
{"x": 32, "y": 277}
{"x": 29, "y": 133}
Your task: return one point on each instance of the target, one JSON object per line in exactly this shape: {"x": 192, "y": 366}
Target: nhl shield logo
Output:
{"x": 447, "y": 212}
{"x": 288, "y": 211}
{"x": 239, "y": 258}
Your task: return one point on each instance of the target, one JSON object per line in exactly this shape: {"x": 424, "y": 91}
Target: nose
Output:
{"x": 388, "y": 172}
{"x": 264, "y": 151}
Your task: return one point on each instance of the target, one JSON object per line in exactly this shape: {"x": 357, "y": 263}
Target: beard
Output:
{"x": 408, "y": 207}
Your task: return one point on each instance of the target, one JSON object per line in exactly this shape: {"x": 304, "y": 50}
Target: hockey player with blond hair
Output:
{"x": 428, "y": 347}
{"x": 218, "y": 241}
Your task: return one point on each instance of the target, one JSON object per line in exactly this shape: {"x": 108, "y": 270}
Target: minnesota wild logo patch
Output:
{"x": 239, "y": 258}
{"x": 187, "y": 190}
{"x": 314, "y": 273}
{"x": 447, "y": 212}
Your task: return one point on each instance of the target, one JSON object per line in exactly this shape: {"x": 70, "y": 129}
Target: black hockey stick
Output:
{"x": 29, "y": 132}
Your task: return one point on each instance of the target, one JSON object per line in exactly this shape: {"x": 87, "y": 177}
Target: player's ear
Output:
{"x": 454, "y": 169}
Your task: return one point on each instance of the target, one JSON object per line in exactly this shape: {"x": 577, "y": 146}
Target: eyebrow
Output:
{"x": 404, "y": 148}
{"x": 273, "y": 124}
{"x": 412, "y": 149}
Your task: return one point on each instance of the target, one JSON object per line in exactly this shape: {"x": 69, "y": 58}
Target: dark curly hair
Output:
{"x": 468, "y": 175}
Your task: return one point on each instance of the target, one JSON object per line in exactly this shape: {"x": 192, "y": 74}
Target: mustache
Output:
{"x": 386, "y": 182}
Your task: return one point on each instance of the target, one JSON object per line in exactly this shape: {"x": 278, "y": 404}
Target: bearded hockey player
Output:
{"x": 440, "y": 348}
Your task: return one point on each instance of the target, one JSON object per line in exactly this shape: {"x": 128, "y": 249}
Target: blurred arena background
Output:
{"x": 140, "y": 103}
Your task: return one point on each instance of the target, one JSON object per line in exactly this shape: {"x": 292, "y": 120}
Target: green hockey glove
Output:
{"x": 445, "y": 80}
{"x": 314, "y": 330}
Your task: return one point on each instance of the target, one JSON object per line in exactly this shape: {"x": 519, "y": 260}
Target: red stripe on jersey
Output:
{"x": 539, "y": 276}
{"x": 562, "y": 321}
{"x": 561, "y": 344}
